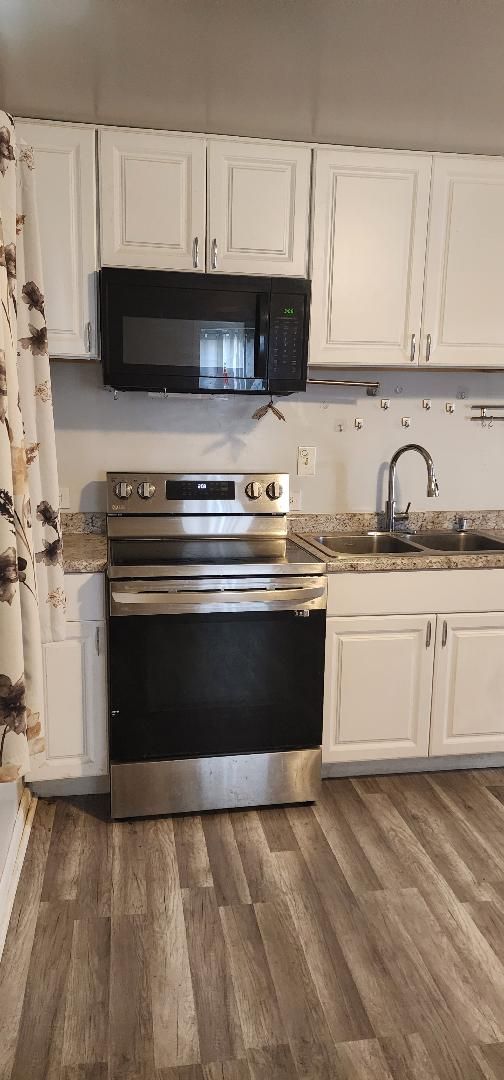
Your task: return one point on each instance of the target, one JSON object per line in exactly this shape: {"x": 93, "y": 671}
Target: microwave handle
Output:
{"x": 262, "y": 336}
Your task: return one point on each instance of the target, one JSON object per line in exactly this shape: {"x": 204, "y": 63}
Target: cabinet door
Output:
{"x": 378, "y": 680}
{"x": 66, "y": 199}
{"x": 75, "y": 704}
{"x": 464, "y": 313}
{"x": 258, "y": 208}
{"x": 368, "y": 257}
{"x": 152, "y": 200}
{"x": 468, "y": 690}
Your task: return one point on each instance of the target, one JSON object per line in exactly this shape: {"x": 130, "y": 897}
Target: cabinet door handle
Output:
{"x": 412, "y": 348}
{"x": 428, "y": 346}
{"x": 88, "y": 336}
{"x": 97, "y": 640}
{"x": 195, "y": 252}
{"x": 428, "y": 635}
{"x": 213, "y": 256}
{"x": 445, "y": 634}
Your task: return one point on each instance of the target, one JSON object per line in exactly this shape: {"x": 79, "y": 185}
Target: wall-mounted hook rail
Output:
{"x": 371, "y": 388}
{"x": 485, "y": 417}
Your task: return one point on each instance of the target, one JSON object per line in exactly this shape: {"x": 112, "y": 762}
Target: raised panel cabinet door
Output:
{"x": 368, "y": 257}
{"x": 65, "y": 172}
{"x": 468, "y": 688}
{"x": 378, "y": 680}
{"x": 464, "y": 315}
{"x": 152, "y": 200}
{"x": 258, "y": 198}
{"x": 75, "y": 704}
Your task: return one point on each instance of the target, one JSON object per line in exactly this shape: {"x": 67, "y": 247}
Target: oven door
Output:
{"x": 197, "y": 669}
{"x": 184, "y": 332}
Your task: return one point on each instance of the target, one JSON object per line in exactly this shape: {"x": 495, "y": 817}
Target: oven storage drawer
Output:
{"x": 215, "y": 682}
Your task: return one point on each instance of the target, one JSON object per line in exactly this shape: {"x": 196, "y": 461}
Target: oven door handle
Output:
{"x": 304, "y": 598}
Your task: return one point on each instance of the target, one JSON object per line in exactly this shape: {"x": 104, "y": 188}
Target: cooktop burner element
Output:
{"x": 216, "y": 644}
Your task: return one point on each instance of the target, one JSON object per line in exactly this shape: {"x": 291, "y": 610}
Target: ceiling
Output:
{"x": 426, "y": 74}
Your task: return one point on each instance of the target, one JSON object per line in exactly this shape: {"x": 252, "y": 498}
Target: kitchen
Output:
{"x": 353, "y": 927}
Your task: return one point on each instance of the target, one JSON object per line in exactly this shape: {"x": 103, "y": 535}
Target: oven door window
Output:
{"x": 203, "y": 684}
{"x": 187, "y": 338}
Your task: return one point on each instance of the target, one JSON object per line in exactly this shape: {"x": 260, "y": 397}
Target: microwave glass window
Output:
{"x": 223, "y": 349}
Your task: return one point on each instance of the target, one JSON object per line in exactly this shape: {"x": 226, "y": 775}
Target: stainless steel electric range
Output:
{"x": 216, "y": 645}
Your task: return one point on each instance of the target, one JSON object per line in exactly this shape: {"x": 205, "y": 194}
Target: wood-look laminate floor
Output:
{"x": 360, "y": 939}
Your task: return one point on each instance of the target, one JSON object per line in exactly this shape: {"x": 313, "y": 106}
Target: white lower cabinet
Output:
{"x": 378, "y": 682}
{"x": 413, "y": 685}
{"x": 75, "y": 687}
{"x": 468, "y": 688}
{"x": 75, "y": 704}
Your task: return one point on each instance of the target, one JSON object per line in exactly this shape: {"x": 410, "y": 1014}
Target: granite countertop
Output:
{"x": 85, "y": 543}
{"x": 84, "y": 553}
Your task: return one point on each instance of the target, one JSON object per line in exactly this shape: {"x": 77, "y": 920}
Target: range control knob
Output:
{"x": 146, "y": 490}
{"x": 254, "y": 490}
{"x": 274, "y": 490}
{"x": 123, "y": 490}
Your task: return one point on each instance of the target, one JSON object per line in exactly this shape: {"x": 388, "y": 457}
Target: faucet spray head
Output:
{"x": 432, "y": 487}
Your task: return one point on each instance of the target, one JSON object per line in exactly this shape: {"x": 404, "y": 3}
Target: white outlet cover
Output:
{"x": 64, "y": 498}
{"x": 306, "y": 460}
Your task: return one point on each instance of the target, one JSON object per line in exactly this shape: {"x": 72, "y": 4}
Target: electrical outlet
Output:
{"x": 64, "y": 498}
{"x": 295, "y": 501}
{"x": 306, "y": 458}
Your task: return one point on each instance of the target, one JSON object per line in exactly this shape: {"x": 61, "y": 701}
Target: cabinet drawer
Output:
{"x": 85, "y": 595}
{"x": 414, "y": 592}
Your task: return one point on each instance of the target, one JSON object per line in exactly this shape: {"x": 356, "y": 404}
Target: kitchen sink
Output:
{"x": 365, "y": 544}
{"x": 456, "y": 542}
{"x": 421, "y": 543}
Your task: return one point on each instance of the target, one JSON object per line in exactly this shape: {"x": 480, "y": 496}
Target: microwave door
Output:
{"x": 181, "y": 338}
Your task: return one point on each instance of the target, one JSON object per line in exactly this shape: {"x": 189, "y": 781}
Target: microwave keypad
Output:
{"x": 286, "y": 336}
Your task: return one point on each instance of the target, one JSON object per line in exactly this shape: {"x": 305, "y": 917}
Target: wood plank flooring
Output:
{"x": 359, "y": 939}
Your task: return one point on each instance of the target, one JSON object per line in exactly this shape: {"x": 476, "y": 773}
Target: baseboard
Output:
{"x": 14, "y": 861}
{"x": 408, "y": 765}
{"x": 77, "y": 785}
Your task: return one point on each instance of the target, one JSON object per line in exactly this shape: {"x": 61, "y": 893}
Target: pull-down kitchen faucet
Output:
{"x": 432, "y": 485}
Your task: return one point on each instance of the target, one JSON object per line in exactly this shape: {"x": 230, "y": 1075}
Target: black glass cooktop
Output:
{"x": 186, "y": 552}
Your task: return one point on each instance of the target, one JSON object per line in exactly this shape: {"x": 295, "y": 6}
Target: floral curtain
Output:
{"x": 32, "y": 600}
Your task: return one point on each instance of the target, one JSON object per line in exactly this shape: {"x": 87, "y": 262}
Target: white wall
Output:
{"x": 10, "y": 795}
{"x": 96, "y": 433}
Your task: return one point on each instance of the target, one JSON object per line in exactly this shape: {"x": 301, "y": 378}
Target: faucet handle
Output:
{"x": 405, "y": 514}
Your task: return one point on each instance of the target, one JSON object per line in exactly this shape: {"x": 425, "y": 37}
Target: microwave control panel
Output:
{"x": 287, "y": 328}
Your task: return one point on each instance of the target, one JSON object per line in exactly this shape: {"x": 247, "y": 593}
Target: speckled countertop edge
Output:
{"x": 84, "y": 553}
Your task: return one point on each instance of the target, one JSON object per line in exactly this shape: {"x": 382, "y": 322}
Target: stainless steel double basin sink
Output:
{"x": 420, "y": 543}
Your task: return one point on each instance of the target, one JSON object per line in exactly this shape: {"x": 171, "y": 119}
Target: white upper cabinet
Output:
{"x": 152, "y": 200}
{"x": 464, "y": 311}
{"x": 66, "y": 197}
{"x": 369, "y": 238}
{"x": 258, "y": 200}
{"x": 468, "y": 688}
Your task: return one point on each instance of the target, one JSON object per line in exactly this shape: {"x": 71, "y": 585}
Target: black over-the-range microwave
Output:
{"x": 203, "y": 333}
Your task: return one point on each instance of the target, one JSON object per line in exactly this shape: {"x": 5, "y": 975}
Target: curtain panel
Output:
{"x": 32, "y": 599}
